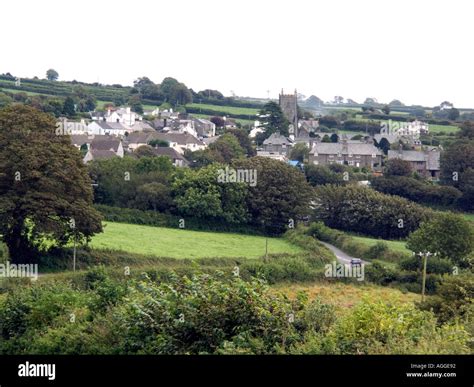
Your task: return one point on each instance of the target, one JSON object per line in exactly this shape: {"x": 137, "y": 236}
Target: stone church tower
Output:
{"x": 289, "y": 107}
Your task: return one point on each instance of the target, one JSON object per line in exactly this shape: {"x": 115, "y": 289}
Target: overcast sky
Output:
{"x": 420, "y": 52}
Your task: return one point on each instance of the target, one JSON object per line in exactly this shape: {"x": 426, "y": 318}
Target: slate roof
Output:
{"x": 169, "y": 152}
{"x": 407, "y": 155}
{"x": 277, "y": 139}
{"x": 105, "y": 143}
{"x": 331, "y": 148}
{"x": 111, "y": 125}
{"x": 98, "y": 154}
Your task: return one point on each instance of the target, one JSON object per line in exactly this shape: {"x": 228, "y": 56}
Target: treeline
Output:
{"x": 278, "y": 197}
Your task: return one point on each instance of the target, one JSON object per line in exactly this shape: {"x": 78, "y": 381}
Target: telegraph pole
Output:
{"x": 425, "y": 256}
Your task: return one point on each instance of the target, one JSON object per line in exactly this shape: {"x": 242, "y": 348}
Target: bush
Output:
{"x": 365, "y": 211}
{"x": 434, "y": 265}
{"x": 378, "y": 328}
{"x": 455, "y": 298}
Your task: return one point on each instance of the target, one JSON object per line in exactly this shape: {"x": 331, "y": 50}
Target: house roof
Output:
{"x": 179, "y": 138}
{"x": 169, "y": 152}
{"x": 105, "y": 143}
{"x": 277, "y": 139}
{"x": 332, "y": 148}
{"x": 111, "y": 125}
{"x": 80, "y": 139}
{"x": 407, "y": 155}
{"x": 98, "y": 154}
{"x": 210, "y": 140}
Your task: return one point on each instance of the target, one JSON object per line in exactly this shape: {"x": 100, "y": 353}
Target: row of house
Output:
{"x": 356, "y": 153}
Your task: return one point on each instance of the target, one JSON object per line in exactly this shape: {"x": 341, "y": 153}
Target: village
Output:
{"x": 120, "y": 131}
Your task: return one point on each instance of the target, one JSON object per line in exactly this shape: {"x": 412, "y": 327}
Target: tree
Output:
{"x": 467, "y": 130}
{"x": 155, "y": 196}
{"x": 228, "y": 146}
{"x": 453, "y": 114}
{"x": 448, "y": 234}
{"x": 364, "y": 210}
{"x": 384, "y": 145}
{"x": 144, "y": 151}
{"x": 456, "y": 170}
{"x": 45, "y": 191}
{"x": 69, "y": 108}
{"x": 208, "y": 94}
{"x": 218, "y": 121}
{"x": 397, "y": 167}
{"x": 5, "y": 100}
{"x": 52, "y": 75}
{"x": 326, "y": 138}
{"x": 180, "y": 95}
{"x": 396, "y": 102}
{"x": 198, "y": 194}
{"x": 386, "y": 109}
{"x": 244, "y": 140}
{"x": 280, "y": 195}
{"x": 136, "y": 104}
{"x": 300, "y": 152}
{"x": 334, "y": 137}
{"x": 272, "y": 120}
{"x": 321, "y": 175}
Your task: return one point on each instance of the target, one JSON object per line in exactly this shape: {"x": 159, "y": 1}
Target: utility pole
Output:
{"x": 74, "y": 255}
{"x": 425, "y": 256}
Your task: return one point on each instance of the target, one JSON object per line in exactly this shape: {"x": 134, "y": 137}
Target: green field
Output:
{"x": 175, "y": 243}
{"x": 443, "y": 129}
{"x": 398, "y": 246}
{"x": 469, "y": 217}
{"x": 224, "y": 109}
{"x": 15, "y": 91}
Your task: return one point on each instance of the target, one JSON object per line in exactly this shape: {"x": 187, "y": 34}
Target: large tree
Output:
{"x": 52, "y": 75}
{"x": 45, "y": 191}
{"x": 447, "y": 234}
{"x": 280, "y": 195}
{"x": 273, "y": 120}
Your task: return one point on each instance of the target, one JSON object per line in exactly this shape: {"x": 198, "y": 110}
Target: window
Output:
{"x": 351, "y": 162}
{"x": 315, "y": 162}
{"x": 374, "y": 155}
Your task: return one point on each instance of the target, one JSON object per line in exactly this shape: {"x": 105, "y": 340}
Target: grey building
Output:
{"x": 346, "y": 153}
{"x": 426, "y": 163}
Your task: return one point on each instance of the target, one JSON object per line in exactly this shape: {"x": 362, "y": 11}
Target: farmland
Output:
{"x": 346, "y": 295}
{"x": 224, "y": 109}
{"x": 397, "y": 246}
{"x": 174, "y": 243}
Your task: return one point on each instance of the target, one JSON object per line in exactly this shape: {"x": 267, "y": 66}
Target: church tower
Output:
{"x": 289, "y": 107}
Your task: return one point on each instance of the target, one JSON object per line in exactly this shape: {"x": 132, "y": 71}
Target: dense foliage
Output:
{"x": 363, "y": 210}
{"x": 207, "y": 314}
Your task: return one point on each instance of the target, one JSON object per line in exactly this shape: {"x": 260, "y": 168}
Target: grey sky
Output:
{"x": 417, "y": 51}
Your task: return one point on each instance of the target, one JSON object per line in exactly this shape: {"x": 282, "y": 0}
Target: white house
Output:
{"x": 123, "y": 115}
{"x": 104, "y": 147}
{"x": 110, "y": 128}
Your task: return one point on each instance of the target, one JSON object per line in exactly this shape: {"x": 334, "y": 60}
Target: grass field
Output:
{"x": 443, "y": 129}
{"x": 398, "y": 246}
{"x": 175, "y": 243}
{"x": 15, "y": 91}
{"x": 224, "y": 109}
{"x": 469, "y": 217}
{"x": 245, "y": 123}
{"x": 346, "y": 295}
